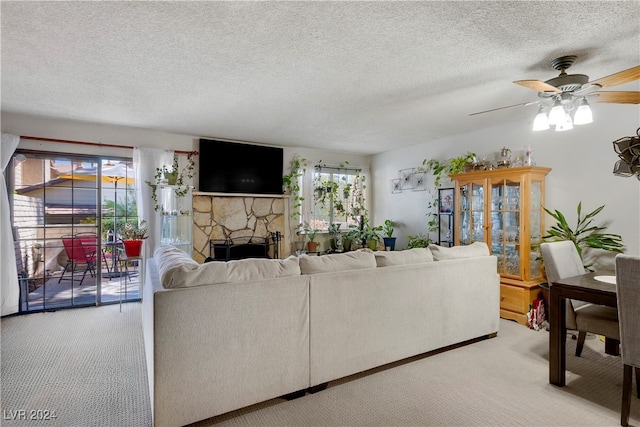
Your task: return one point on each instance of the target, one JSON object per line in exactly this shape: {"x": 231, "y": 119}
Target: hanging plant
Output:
{"x": 174, "y": 177}
{"x": 291, "y": 184}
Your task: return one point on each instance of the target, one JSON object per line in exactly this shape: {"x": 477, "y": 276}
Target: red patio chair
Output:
{"x": 79, "y": 253}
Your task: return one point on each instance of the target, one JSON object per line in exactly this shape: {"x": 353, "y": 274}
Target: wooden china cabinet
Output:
{"x": 504, "y": 208}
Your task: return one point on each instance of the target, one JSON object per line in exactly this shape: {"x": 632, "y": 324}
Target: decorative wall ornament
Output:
{"x": 396, "y": 185}
{"x": 414, "y": 179}
{"x": 406, "y": 178}
{"x": 628, "y": 149}
{"x": 419, "y": 181}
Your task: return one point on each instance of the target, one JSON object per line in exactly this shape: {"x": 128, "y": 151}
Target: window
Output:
{"x": 338, "y": 197}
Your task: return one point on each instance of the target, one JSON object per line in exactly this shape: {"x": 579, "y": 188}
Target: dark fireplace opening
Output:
{"x": 245, "y": 247}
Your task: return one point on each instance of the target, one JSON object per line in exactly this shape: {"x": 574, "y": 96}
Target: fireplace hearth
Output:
{"x": 245, "y": 247}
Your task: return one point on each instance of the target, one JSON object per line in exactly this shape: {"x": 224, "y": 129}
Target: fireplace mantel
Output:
{"x": 268, "y": 196}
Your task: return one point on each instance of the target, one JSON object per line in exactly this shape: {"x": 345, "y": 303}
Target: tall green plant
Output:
{"x": 584, "y": 234}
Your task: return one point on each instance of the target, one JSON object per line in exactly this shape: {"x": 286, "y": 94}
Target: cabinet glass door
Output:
{"x": 471, "y": 219}
{"x": 505, "y": 226}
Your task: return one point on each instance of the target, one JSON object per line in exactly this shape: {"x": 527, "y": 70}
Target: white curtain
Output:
{"x": 9, "y": 290}
{"x": 145, "y": 162}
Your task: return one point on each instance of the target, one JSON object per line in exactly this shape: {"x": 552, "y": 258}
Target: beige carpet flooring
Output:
{"x": 88, "y": 366}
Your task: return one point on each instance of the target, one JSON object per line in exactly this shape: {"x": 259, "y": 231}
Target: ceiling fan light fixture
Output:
{"x": 566, "y": 124}
{"x": 541, "y": 122}
{"x": 583, "y": 114}
{"x": 557, "y": 113}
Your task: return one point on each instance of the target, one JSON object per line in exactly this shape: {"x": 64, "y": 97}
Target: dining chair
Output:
{"x": 628, "y": 290}
{"x": 78, "y": 254}
{"x": 561, "y": 260}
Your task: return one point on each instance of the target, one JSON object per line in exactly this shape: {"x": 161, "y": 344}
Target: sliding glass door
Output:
{"x": 66, "y": 211}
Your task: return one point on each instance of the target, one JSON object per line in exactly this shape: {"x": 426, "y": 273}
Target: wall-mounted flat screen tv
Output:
{"x": 230, "y": 167}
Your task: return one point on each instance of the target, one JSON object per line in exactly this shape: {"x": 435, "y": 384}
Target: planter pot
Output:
{"x": 171, "y": 177}
{"x": 372, "y": 244}
{"x": 132, "y": 248}
{"x": 347, "y": 245}
{"x": 299, "y": 246}
{"x": 312, "y": 246}
{"x": 390, "y": 242}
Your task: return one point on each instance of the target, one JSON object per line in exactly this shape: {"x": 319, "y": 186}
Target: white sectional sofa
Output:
{"x": 222, "y": 336}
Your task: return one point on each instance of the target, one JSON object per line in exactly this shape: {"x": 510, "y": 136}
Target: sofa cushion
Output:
{"x": 355, "y": 260}
{"x": 476, "y": 249}
{"x": 409, "y": 256}
{"x": 244, "y": 270}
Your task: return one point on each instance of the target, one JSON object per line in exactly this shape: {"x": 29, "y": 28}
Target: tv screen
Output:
{"x": 230, "y": 167}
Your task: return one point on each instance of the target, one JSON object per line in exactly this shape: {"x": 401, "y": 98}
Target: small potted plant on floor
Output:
{"x": 132, "y": 237}
{"x": 312, "y": 245}
{"x": 389, "y": 240}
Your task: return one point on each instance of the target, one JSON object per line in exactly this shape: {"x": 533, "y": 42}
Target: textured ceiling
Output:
{"x": 361, "y": 77}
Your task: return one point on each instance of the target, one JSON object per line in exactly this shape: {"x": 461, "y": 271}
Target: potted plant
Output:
{"x": 132, "y": 237}
{"x": 371, "y": 236}
{"x": 312, "y": 245}
{"x": 584, "y": 234}
{"x": 351, "y": 238}
{"x": 389, "y": 240}
{"x": 172, "y": 177}
{"x": 420, "y": 240}
{"x": 450, "y": 167}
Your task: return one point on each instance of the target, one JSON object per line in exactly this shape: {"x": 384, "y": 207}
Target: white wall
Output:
{"x": 24, "y": 124}
{"x": 581, "y": 159}
{"x": 44, "y": 127}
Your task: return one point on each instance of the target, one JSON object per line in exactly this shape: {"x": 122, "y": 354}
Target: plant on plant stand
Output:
{"x": 174, "y": 177}
{"x": 132, "y": 237}
{"x": 389, "y": 240}
{"x": 584, "y": 235}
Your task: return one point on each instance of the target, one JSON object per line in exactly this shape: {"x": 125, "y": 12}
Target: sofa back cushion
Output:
{"x": 337, "y": 262}
{"x": 178, "y": 270}
{"x": 475, "y": 249}
{"x": 173, "y": 261}
{"x": 409, "y": 256}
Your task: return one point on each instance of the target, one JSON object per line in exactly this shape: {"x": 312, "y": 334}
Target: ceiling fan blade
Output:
{"x": 524, "y": 104}
{"x": 538, "y": 85}
{"x": 619, "y": 78}
{"x": 618, "y": 97}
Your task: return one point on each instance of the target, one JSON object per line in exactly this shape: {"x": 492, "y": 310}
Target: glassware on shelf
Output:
{"x": 512, "y": 262}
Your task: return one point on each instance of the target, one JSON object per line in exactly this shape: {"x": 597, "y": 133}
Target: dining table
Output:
{"x": 596, "y": 288}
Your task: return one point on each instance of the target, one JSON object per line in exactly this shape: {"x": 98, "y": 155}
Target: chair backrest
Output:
{"x": 75, "y": 251}
{"x": 628, "y": 289}
{"x": 89, "y": 242}
{"x": 561, "y": 260}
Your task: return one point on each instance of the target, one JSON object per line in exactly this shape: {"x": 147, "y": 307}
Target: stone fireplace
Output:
{"x": 235, "y": 217}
